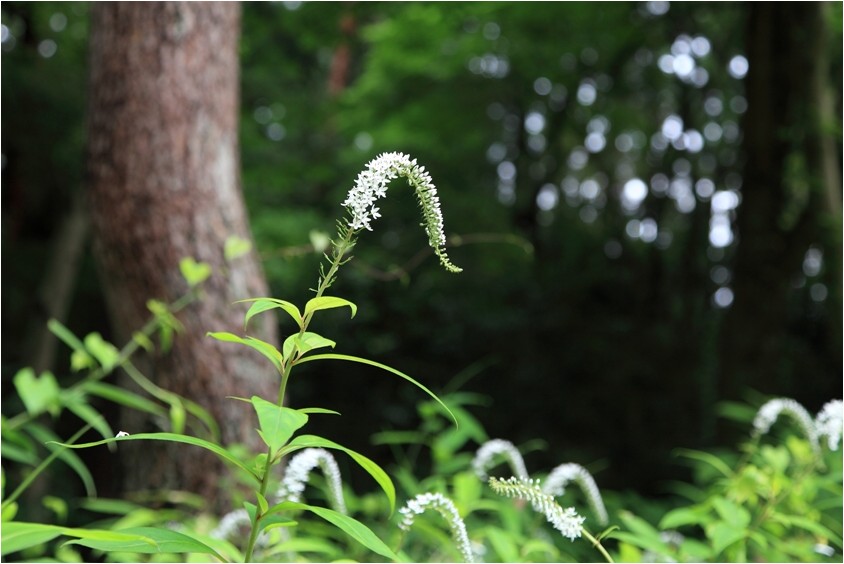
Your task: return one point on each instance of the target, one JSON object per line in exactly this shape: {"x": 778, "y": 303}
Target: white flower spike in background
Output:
{"x": 768, "y": 414}
{"x": 829, "y": 422}
{"x": 489, "y": 450}
{"x": 444, "y": 507}
{"x": 564, "y": 473}
{"x": 299, "y": 469}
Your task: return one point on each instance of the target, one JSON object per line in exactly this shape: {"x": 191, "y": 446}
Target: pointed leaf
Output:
{"x": 123, "y": 397}
{"x": 328, "y": 302}
{"x": 65, "y": 334}
{"x": 318, "y": 410}
{"x": 348, "y": 525}
{"x": 261, "y": 305}
{"x": 148, "y": 540}
{"x": 89, "y": 415}
{"x": 304, "y": 342}
{"x": 277, "y": 423}
{"x": 172, "y": 437}
{"x": 382, "y": 367}
{"x": 19, "y": 536}
{"x": 266, "y": 349}
{"x": 308, "y": 441}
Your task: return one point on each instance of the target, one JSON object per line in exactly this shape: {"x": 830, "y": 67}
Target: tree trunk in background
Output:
{"x": 785, "y": 209}
{"x": 164, "y": 184}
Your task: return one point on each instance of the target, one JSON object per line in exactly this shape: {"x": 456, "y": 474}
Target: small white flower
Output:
{"x": 567, "y": 521}
{"x": 490, "y": 449}
{"x": 444, "y": 507}
{"x": 121, "y": 434}
{"x": 299, "y": 469}
{"x": 768, "y": 414}
{"x": 371, "y": 184}
{"x": 829, "y": 423}
{"x": 565, "y": 473}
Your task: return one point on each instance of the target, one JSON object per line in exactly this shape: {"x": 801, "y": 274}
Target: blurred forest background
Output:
{"x": 645, "y": 199}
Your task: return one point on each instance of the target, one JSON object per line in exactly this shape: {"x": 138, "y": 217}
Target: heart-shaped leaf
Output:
{"x": 194, "y": 273}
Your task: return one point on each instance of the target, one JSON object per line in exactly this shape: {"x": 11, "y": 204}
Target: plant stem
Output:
{"x": 253, "y": 534}
{"x": 597, "y": 544}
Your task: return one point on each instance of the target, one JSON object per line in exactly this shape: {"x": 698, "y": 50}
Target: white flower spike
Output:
{"x": 567, "y": 521}
{"x": 829, "y": 422}
{"x": 490, "y": 449}
{"x": 444, "y": 507}
{"x": 371, "y": 184}
{"x": 299, "y": 469}
{"x": 768, "y": 414}
{"x": 564, "y": 473}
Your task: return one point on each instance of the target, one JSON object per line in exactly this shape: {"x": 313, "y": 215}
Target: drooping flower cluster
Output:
{"x": 371, "y": 184}
{"x": 564, "y": 473}
{"x": 769, "y": 412}
{"x": 829, "y": 423}
{"x": 567, "y": 521}
{"x": 490, "y": 449}
{"x": 444, "y": 507}
{"x": 299, "y": 469}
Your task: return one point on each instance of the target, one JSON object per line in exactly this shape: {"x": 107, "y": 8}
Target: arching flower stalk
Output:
{"x": 829, "y": 423}
{"x": 444, "y": 507}
{"x": 770, "y": 412}
{"x": 567, "y": 521}
{"x": 485, "y": 456}
{"x": 298, "y": 471}
{"x": 565, "y": 473}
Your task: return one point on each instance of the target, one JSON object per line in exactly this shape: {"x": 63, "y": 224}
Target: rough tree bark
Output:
{"x": 785, "y": 209}
{"x": 164, "y": 184}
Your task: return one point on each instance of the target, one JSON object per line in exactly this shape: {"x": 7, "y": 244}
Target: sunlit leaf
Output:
{"x": 39, "y": 394}
{"x": 278, "y": 423}
{"x": 172, "y": 437}
{"x": 267, "y": 350}
{"x": 328, "y": 302}
{"x": 261, "y": 305}
{"x": 304, "y": 342}
{"x": 194, "y": 272}
{"x": 236, "y": 247}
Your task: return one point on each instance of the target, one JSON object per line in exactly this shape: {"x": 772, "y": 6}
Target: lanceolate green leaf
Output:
{"x": 261, "y": 305}
{"x": 123, "y": 397}
{"x": 19, "y": 536}
{"x": 349, "y": 525}
{"x": 332, "y": 356}
{"x": 266, "y": 349}
{"x": 172, "y": 437}
{"x": 304, "y": 342}
{"x": 308, "y": 441}
{"x": 89, "y": 415}
{"x": 328, "y": 302}
{"x": 65, "y": 335}
{"x": 277, "y": 423}
{"x": 148, "y": 540}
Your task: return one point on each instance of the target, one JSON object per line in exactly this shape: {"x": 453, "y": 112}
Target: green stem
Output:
{"x": 597, "y": 544}
{"x": 41, "y": 467}
{"x": 253, "y": 535}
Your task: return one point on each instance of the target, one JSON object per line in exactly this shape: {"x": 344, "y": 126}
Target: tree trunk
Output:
{"x": 784, "y": 210}
{"x": 163, "y": 185}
